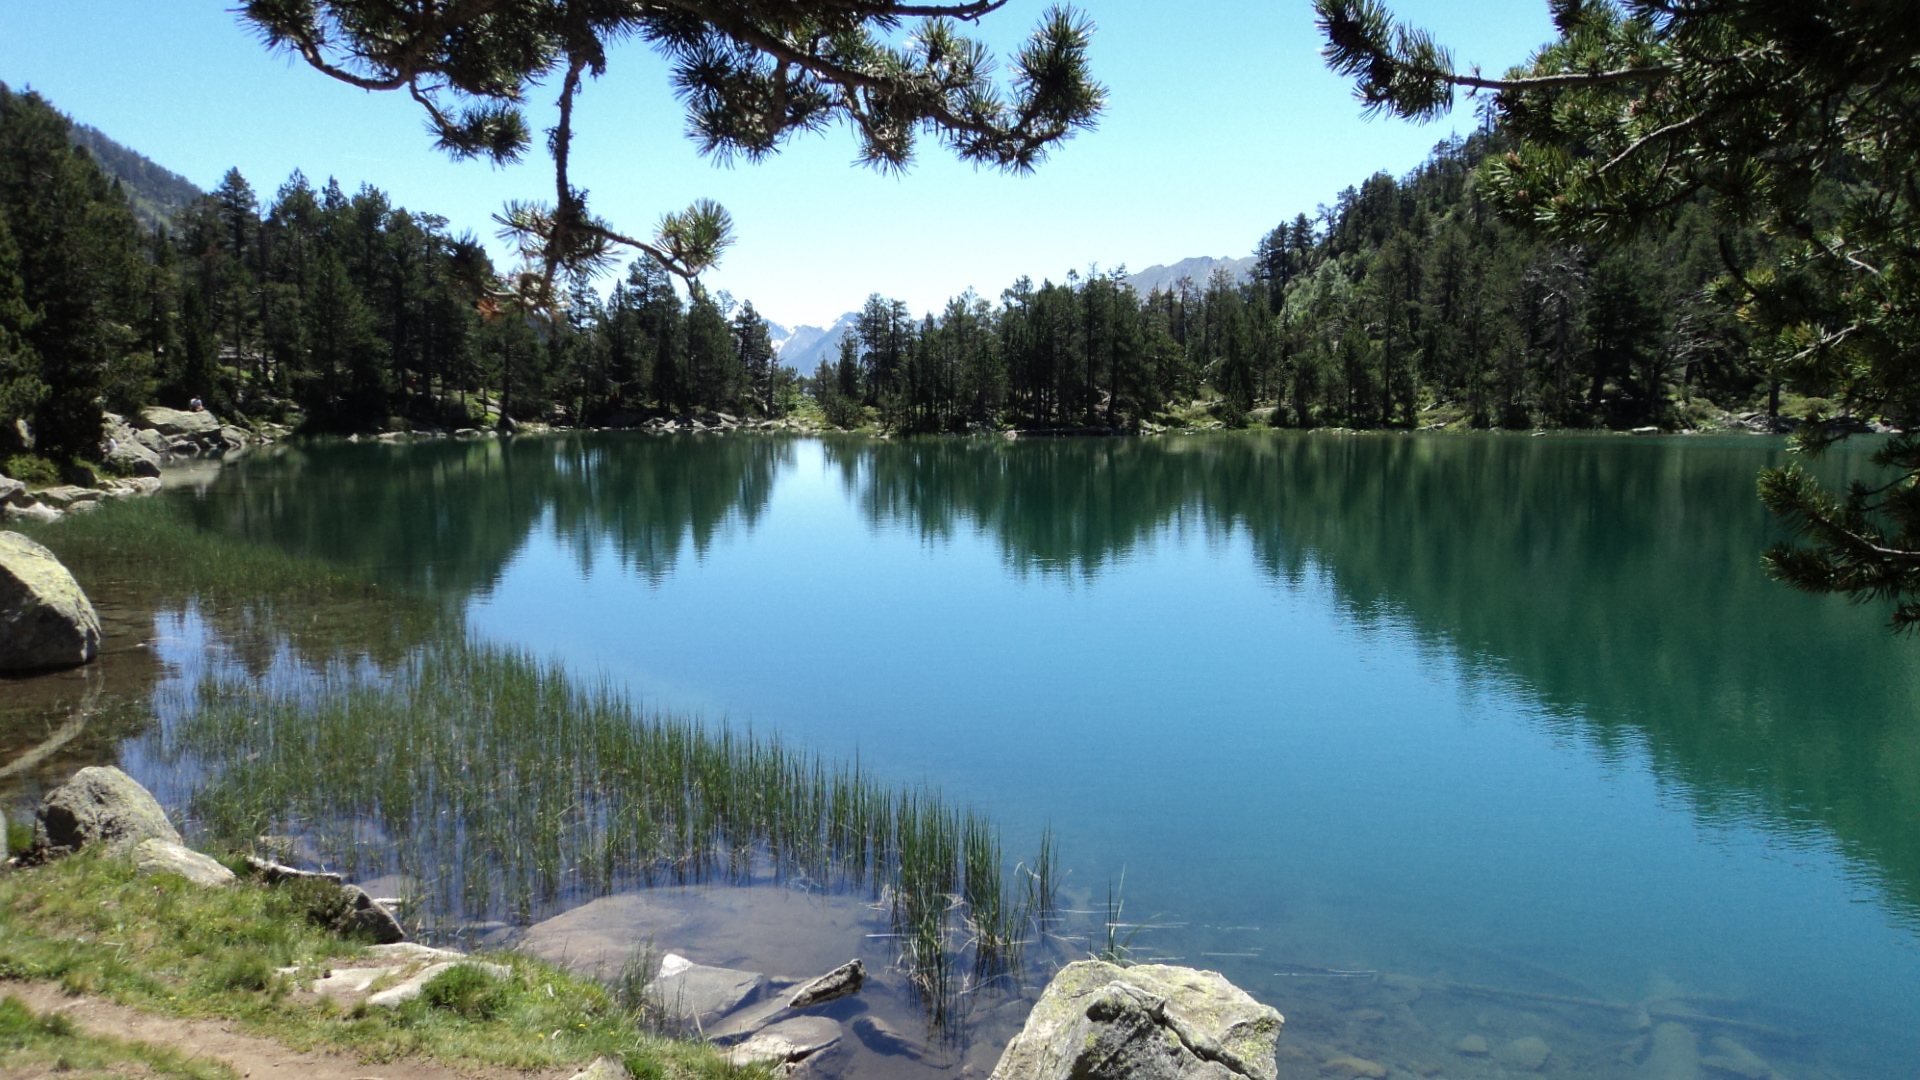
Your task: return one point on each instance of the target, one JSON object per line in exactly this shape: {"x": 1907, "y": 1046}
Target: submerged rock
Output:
{"x": 1733, "y": 1059}
{"x": 702, "y": 994}
{"x": 100, "y": 805}
{"x": 834, "y": 985}
{"x": 46, "y": 621}
{"x": 1674, "y": 1054}
{"x": 1099, "y": 1021}
{"x": 1350, "y": 1066}
{"x": 166, "y": 857}
{"x": 883, "y": 1039}
{"x": 787, "y": 1042}
{"x": 1529, "y": 1053}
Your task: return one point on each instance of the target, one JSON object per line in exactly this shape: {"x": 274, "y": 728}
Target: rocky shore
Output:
{"x": 1094, "y": 1021}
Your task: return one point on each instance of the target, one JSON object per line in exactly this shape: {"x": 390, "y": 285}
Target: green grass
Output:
{"x": 511, "y": 789}
{"x": 94, "y": 926}
{"x": 37, "y": 1044}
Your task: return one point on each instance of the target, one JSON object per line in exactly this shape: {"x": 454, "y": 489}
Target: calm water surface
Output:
{"x": 1517, "y": 718}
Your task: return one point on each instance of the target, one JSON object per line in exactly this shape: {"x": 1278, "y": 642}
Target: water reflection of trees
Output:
{"x": 1618, "y": 580}
{"x": 450, "y": 515}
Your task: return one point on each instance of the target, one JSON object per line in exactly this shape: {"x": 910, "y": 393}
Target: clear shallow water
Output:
{"x": 1511, "y": 713}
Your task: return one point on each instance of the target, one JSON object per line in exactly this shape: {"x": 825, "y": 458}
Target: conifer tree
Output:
{"x": 751, "y": 73}
{"x": 1795, "y": 113}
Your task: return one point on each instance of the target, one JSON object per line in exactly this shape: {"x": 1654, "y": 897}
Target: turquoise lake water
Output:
{"x": 1520, "y": 720}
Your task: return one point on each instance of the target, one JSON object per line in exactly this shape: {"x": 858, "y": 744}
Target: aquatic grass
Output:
{"x": 509, "y": 789}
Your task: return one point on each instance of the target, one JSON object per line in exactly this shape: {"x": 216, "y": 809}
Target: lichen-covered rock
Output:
{"x": 46, "y": 620}
{"x": 1100, "y": 1021}
{"x": 130, "y": 457}
{"x": 166, "y": 857}
{"x": 178, "y": 423}
{"x": 100, "y": 805}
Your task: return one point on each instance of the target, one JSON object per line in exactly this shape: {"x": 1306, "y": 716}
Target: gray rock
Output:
{"x": 834, "y": 985}
{"x": 167, "y": 857}
{"x": 66, "y": 495}
{"x": 151, "y": 439}
{"x": 30, "y": 511}
{"x": 100, "y": 805}
{"x": 787, "y": 1042}
{"x": 129, "y": 456}
{"x": 1100, "y": 1021}
{"x": 365, "y": 915}
{"x": 13, "y": 492}
{"x": 700, "y": 993}
{"x": 46, "y": 620}
{"x": 178, "y": 423}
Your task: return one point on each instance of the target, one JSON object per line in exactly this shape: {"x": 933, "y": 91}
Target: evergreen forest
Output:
{"x": 1408, "y": 302}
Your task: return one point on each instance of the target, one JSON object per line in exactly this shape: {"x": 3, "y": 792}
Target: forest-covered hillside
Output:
{"x": 1407, "y": 302}
{"x": 156, "y": 193}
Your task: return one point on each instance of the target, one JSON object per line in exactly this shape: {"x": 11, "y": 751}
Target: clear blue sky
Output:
{"x": 1221, "y": 122}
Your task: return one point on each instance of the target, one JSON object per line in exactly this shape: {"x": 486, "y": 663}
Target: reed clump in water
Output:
{"x": 509, "y": 788}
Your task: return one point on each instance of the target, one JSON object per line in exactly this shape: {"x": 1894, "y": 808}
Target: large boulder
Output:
{"x": 100, "y": 805}
{"x": 46, "y": 621}
{"x": 178, "y": 423}
{"x": 1100, "y": 1021}
{"x": 129, "y": 457}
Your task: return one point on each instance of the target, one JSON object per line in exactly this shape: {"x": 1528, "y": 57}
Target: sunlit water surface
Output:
{"x": 1412, "y": 738}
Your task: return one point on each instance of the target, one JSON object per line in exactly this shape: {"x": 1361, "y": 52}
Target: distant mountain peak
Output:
{"x": 1200, "y": 269}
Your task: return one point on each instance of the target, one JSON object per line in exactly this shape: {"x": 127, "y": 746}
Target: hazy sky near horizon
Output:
{"x": 1221, "y": 122}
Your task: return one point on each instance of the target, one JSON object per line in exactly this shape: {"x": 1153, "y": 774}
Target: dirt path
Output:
{"x": 247, "y": 1055}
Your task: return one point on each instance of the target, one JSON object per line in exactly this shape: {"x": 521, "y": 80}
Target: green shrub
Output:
{"x": 32, "y": 469}
{"x": 466, "y": 990}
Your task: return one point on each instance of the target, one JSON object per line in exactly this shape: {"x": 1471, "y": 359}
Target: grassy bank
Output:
{"x": 95, "y": 927}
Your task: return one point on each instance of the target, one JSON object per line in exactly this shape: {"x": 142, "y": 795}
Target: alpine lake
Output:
{"x": 1454, "y": 749}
